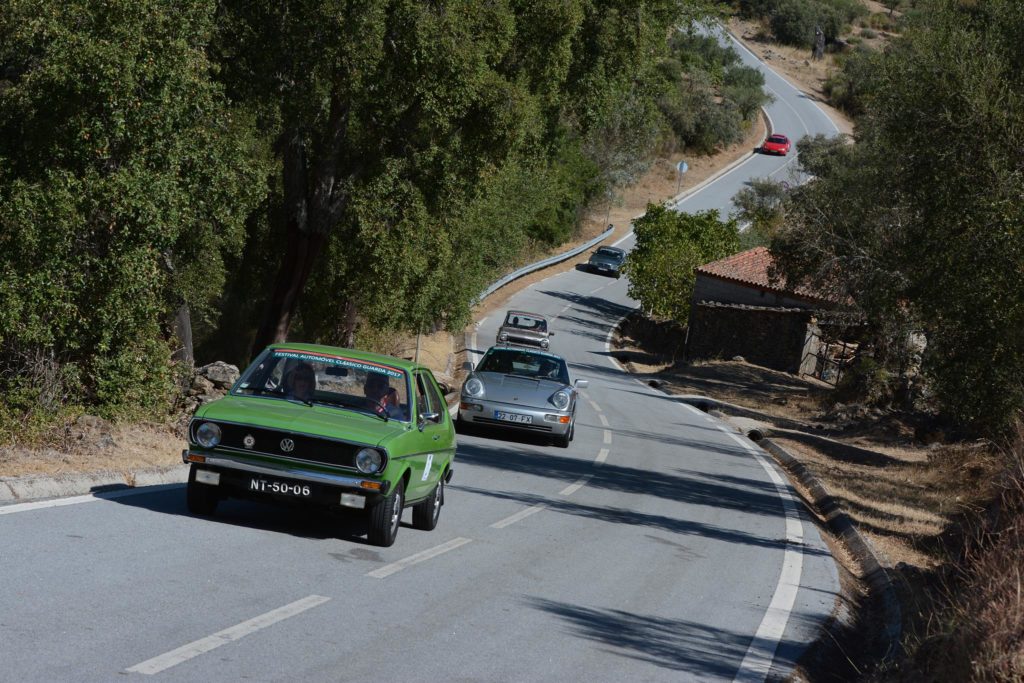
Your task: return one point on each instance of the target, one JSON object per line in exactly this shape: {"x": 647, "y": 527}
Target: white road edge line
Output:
{"x": 522, "y": 514}
{"x": 228, "y": 635}
{"x": 757, "y": 662}
{"x": 87, "y": 498}
{"x": 423, "y": 556}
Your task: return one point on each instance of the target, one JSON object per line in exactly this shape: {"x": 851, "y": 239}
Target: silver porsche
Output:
{"x": 521, "y": 389}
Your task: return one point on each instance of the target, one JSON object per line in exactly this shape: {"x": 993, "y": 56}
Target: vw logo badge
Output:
{"x": 249, "y": 441}
{"x": 287, "y": 445}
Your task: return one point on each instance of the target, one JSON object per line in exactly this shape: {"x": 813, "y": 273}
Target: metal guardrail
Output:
{"x": 550, "y": 261}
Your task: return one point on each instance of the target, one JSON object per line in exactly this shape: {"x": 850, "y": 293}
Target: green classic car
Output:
{"x": 327, "y": 426}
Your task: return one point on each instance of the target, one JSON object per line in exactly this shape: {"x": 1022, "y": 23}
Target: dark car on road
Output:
{"x": 607, "y": 261}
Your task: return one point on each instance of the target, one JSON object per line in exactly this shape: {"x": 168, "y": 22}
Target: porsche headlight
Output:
{"x": 208, "y": 435}
{"x": 503, "y": 336}
{"x": 560, "y": 399}
{"x": 369, "y": 461}
{"x": 544, "y": 343}
{"x": 474, "y": 387}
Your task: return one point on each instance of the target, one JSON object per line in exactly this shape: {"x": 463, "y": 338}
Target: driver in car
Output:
{"x": 381, "y": 397}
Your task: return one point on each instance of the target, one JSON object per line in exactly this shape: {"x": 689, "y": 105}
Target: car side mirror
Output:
{"x": 428, "y": 417}
{"x": 581, "y": 383}
{"x": 551, "y": 334}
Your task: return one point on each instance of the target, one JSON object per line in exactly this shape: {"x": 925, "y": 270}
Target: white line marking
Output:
{"x": 758, "y": 660}
{"x": 602, "y": 456}
{"x": 595, "y": 291}
{"x": 522, "y": 514}
{"x": 573, "y": 488}
{"x": 607, "y": 436}
{"x": 228, "y": 635}
{"x": 604, "y": 420}
{"x": 87, "y": 498}
{"x": 429, "y": 553}
{"x": 585, "y": 395}
{"x": 597, "y": 408}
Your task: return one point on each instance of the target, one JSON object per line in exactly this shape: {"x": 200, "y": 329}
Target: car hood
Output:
{"x": 517, "y": 389}
{"x": 316, "y": 420}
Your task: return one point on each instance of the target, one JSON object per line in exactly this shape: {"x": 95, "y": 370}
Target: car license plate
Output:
{"x": 279, "y": 487}
{"x": 513, "y": 417}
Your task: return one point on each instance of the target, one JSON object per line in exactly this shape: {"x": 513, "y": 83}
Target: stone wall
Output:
{"x": 778, "y": 338}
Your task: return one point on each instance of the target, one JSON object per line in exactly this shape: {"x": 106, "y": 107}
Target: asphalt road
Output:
{"x": 658, "y": 546}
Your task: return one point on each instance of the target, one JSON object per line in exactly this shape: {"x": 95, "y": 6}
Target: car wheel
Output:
{"x": 563, "y": 440}
{"x": 201, "y": 499}
{"x": 386, "y": 517}
{"x": 572, "y": 430}
{"x": 426, "y": 513}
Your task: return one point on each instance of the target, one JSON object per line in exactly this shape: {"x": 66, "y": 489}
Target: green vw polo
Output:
{"x": 327, "y": 426}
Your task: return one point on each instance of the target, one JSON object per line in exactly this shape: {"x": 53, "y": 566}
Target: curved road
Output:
{"x": 657, "y": 547}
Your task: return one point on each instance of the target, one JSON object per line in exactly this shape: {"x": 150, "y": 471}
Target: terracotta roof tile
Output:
{"x": 751, "y": 268}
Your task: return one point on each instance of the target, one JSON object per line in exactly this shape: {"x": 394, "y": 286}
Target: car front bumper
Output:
{"x": 235, "y": 477}
{"x": 542, "y": 420}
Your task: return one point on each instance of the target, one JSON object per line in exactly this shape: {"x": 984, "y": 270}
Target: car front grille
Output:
{"x": 272, "y": 442}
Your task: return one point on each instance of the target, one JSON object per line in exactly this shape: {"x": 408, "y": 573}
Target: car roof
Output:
{"x": 332, "y": 351}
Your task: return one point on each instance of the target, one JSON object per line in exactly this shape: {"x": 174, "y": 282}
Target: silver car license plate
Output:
{"x": 513, "y": 417}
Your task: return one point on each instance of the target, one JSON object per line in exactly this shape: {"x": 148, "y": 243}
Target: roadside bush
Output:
{"x": 867, "y": 33}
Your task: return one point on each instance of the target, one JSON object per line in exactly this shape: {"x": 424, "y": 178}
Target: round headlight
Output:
{"x": 208, "y": 435}
{"x": 369, "y": 461}
{"x": 544, "y": 343}
{"x": 474, "y": 387}
{"x": 561, "y": 400}
{"x": 503, "y": 336}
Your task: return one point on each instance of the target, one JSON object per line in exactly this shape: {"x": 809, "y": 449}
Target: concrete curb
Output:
{"x": 27, "y": 489}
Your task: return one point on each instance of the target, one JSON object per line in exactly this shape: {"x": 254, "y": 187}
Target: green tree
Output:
{"x": 125, "y": 178}
{"x": 669, "y": 247}
{"x": 920, "y": 222}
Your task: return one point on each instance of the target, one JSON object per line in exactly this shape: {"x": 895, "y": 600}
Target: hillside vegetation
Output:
{"x": 194, "y": 179}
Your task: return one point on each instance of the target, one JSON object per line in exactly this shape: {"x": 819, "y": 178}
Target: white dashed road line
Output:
{"x": 604, "y": 420}
{"x": 573, "y": 488}
{"x": 429, "y": 553}
{"x": 597, "y": 408}
{"x": 601, "y": 457}
{"x": 522, "y": 514}
{"x": 607, "y": 436}
{"x": 228, "y": 635}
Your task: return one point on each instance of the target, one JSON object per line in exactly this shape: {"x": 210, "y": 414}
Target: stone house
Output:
{"x": 738, "y": 310}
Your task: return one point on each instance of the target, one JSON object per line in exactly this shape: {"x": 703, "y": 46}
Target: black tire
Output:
{"x": 563, "y": 440}
{"x": 572, "y": 430}
{"x": 426, "y": 513}
{"x": 385, "y": 517}
{"x": 201, "y": 499}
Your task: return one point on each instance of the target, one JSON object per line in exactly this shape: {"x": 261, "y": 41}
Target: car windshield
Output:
{"x": 525, "y": 321}
{"x": 317, "y": 378}
{"x": 611, "y": 253}
{"x": 525, "y": 364}
{"x": 776, "y": 138}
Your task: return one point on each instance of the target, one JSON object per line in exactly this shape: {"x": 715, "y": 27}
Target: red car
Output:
{"x": 776, "y": 144}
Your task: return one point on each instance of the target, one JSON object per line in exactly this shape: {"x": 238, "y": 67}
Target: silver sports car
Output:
{"x": 521, "y": 389}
